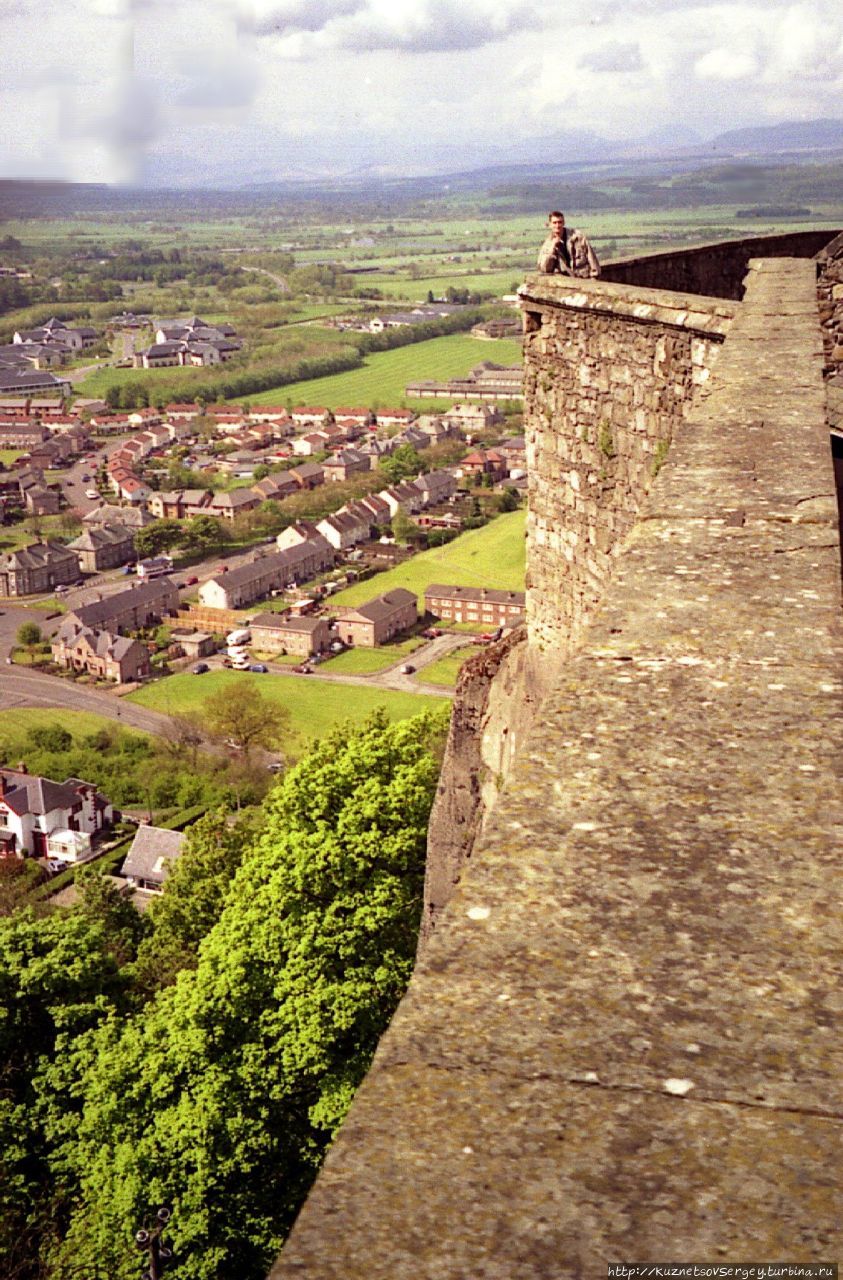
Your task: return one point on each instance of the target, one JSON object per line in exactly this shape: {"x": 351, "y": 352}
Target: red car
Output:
{"x": 303, "y": 669}
{"x": 191, "y": 582}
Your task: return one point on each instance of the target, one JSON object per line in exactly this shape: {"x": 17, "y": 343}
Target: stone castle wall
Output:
{"x": 623, "y": 1039}
{"x": 713, "y": 269}
{"x": 610, "y": 372}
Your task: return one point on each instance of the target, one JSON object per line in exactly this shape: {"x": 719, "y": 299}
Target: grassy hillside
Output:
{"x": 385, "y": 374}
{"x": 493, "y": 556}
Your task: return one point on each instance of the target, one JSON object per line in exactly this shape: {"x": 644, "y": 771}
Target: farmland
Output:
{"x": 381, "y": 380}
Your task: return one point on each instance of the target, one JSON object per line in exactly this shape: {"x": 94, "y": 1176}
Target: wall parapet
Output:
{"x": 610, "y": 372}
{"x": 622, "y": 1041}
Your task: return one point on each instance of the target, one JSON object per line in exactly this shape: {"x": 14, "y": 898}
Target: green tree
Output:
{"x": 404, "y": 529}
{"x": 58, "y": 979}
{"x": 49, "y": 737}
{"x": 241, "y": 716}
{"x": 221, "y": 1099}
{"x": 29, "y": 637}
{"x": 203, "y": 533}
{"x": 401, "y": 464}
{"x": 161, "y": 536}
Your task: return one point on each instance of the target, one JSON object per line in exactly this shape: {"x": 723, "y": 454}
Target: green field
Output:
{"x": 381, "y": 381}
{"x": 314, "y": 705}
{"x": 493, "y": 556}
{"x": 10, "y": 456}
{"x": 365, "y": 661}
{"x": 14, "y": 725}
{"x": 441, "y": 279}
{"x": 446, "y": 670}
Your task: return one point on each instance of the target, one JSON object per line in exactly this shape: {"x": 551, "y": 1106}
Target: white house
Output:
{"x": 41, "y": 818}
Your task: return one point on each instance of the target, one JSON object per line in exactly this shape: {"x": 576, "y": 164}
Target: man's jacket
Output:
{"x": 583, "y": 258}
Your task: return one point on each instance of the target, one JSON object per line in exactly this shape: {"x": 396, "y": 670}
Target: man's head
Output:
{"x": 556, "y": 221}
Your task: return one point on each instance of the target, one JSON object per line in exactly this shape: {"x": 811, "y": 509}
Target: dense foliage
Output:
{"x": 204, "y": 1059}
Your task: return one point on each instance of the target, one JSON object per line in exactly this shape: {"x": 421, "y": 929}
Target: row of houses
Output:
{"x": 487, "y": 381}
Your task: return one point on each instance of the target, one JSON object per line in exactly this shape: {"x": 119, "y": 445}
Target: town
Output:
{"x": 203, "y": 537}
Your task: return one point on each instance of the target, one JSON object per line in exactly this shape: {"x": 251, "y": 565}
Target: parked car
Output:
{"x": 86, "y": 478}
{"x": 93, "y": 494}
{"x": 303, "y": 669}
{"x": 201, "y": 668}
{"x": 191, "y": 581}
{"x": 226, "y": 662}
{"x": 222, "y": 568}
{"x": 55, "y": 865}
{"x": 407, "y": 669}
{"x": 241, "y": 636}
{"x": 260, "y": 667}
{"x": 431, "y": 633}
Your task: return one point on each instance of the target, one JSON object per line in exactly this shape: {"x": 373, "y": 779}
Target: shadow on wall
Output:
{"x": 713, "y": 270}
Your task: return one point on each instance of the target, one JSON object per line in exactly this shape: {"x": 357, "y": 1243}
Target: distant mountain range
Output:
{"x": 284, "y": 160}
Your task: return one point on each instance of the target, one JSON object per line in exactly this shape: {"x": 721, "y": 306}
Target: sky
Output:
{"x": 230, "y": 91}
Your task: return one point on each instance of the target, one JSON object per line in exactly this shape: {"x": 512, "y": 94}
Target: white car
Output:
{"x": 93, "y": 494}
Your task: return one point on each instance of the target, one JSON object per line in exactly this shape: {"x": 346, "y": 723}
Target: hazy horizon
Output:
{"x": 248, "y": 91}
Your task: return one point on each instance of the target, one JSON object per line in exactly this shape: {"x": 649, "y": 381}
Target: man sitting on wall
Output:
{"x": 567, "y": 250}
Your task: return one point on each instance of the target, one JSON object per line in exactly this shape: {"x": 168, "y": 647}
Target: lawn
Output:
{"x": 384, "y": 375}
{"x": 314, "y": 705}
{"x": 14, "y": 725}
{"x": 8, "y": 457}
{"x": 446, "y": 670}
{"x": 365, "y": 661}
{"x": 493, "y": 556}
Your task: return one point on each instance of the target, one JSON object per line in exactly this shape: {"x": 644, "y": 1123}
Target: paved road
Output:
{"x": 21, "y": 688}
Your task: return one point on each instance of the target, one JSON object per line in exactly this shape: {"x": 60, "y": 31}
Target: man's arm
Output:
{"x": 549, "y": 260}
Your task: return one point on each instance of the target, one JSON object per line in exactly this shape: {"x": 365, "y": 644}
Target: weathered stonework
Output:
{"x": 610, "y": 372}
{"x": 623, "y": 1040}
{"x": 830, "y": 297}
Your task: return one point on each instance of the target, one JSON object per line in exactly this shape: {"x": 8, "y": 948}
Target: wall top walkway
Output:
{"x": 656, "y": 306}
{"x": 623, "y": 1041}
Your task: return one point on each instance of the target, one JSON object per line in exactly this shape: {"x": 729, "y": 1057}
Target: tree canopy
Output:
{"x": 219, "y": 1094}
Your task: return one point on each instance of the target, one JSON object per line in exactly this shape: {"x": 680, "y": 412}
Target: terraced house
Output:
{"x": 101, "y": 653}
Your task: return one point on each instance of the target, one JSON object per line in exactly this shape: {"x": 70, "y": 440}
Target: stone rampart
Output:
{"x": 610, "y": 372}
{"x": 715, "y": 269}
{"x": 623, "y": 1041}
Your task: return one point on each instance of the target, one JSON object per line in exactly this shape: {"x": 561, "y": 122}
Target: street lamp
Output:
{"x": 151, "y": 1241}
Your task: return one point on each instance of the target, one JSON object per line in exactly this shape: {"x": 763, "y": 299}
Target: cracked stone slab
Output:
{"x": 589, "y": 1176}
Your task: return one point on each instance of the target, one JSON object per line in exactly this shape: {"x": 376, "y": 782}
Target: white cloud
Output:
{"x": 414, "y": 26}
{"x": 726, "y": 64}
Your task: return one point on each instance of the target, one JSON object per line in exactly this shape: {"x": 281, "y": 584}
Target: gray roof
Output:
{"x": 383, "y": 606}
{"x": 36, "y": 556}
{"x": 99, "y": 611}
{"x": 153, "y": 848}
{"x": 283, "y": 622}
{"x": 102, "y": 535}
{"x": 29, "y": 793}
{"x": 476, "y": 594}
